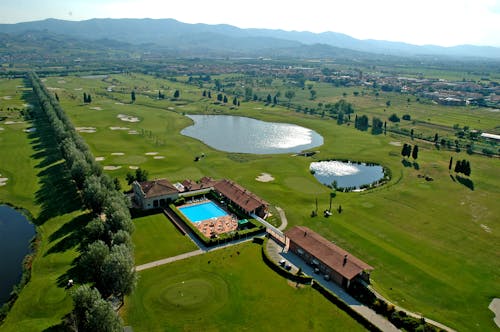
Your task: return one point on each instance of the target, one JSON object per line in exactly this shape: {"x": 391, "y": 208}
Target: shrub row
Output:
{"x": 399, "y": 318}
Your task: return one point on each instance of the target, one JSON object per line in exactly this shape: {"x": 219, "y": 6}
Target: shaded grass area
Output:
{"x": 155, "y": 238}
{"x": 56, "y": 208}
{"x": 228, "y": 290}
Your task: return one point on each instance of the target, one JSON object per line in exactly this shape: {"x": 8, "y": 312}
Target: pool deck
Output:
{"x": 217, "y": 225}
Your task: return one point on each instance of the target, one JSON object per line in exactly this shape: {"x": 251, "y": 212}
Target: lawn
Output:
{"x": 228, "y": 290}
{"x": 155, "y": 237}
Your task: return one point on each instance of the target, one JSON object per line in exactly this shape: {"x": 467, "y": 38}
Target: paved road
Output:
{"x": 284, "y": 221}
{"x": 169, "y": 260}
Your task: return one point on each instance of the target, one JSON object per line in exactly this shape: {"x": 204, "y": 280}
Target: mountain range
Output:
{"x": 172, "y": 35}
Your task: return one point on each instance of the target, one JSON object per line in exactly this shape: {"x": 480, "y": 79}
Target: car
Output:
{"x": 288, "y": 267}
{"x": 282, "y": 262}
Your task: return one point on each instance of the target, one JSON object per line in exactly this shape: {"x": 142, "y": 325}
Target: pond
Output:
{"x": 15, "y": 235}
{"x": 245, "y": 135}
{"x": 346, "y": 174}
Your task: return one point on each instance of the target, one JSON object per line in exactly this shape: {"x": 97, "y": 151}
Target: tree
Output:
{"x": 406, "y": 151}
{"x": 177, "y": 94}
{"x": 219, "y": 97}
{"x": 269, "y": 99}
{"x": 376, "y": 126}
{"x": 225, "y": 99}
{"x": 118, "y": 186}
{"x": 388, "y": 103}
{"x": 340, "y": 118}
{"x": 89, "y": 98}
{"x": 313, "y": 94}
{"x": 57, "y": 97}
{"x": 414, "y": 153}
{"x": 130, "y": 178}
{"x": 209, "y": 95}
{"x": 92, "y": 260}
{"x": 436, "y": 138}
{"x": 141, "y": 175}
{"x": 275, "y": 99}
{"x": 204, "y": 94}
{"x": 289, "y": 95}
{"x": 361, "y": 123}
{"x": 132, "y": 96}
{"x": 451, "y": 163}
{"x": 235, "y": 101}
{"x": 119, "y": 276}
{"x": 93, "y": 231}
{"x": 92, "y": 313}
{"x": 84, "y": 98}
{"x": 406, "y": 117}
{"x": 394, "y": 118}
{"x": 411, "y": 133}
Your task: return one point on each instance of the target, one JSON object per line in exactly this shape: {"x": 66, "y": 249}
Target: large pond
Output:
{"x": 346, "y": 174}
{"x": 246, "y": 135}
{"x": 15, "y": 235}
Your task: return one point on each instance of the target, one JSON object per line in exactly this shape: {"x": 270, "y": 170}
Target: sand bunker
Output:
{"x": 127, "y": 118}
{"x": 151, "y": 153}
{"x": 158, "y": 157}
{"x": 111, "y": 168}
{"x": 486, "y": 228}
{"x": 53, "y": 89}
{"x": 30, "y": 130}
{"x": 28, "y": 105}
{"x": 85, "y": 129}
{"x": 118, "y": 103}
{"x": 61, "y": 82}
{"x": 2, "y": 128}
{"x": 495, "y": 307}
{"x": 171, "y": 108}
{"x": 264, "y": 177}
{"x": 96, "y": 108}
{"x": 7, "y": 97}
{"x": 395, "y": 143}
{"x": 133, "y": 132}
{"x": 12, "y": 122}
{"x": 117, "y": 153}
{"x": 133, "y": 167}
{"x": 3, "y": 181}
{"x": 78, "y": 89}
{"x": 99, "y": 158}
{"x": 118, "y": 128}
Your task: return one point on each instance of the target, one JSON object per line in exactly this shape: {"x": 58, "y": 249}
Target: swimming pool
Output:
{"x": 204, "y": 211}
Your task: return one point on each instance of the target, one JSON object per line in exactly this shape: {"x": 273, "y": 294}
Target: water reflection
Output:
{"x": 346, "y": 174}
{"x": 246, "y": 135}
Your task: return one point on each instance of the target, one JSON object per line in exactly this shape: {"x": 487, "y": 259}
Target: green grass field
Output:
{"x": 37, "y": 182}
{"x": 228, "y": 290}
{"x": 155, "y": 238}
{"x": 434, "y": 245}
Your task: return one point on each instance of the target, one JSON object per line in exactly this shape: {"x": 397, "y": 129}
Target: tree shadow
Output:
{"x": 63, "y": 326}
{"x": 452, "y": 178}
{"x": 57, "y": 194}
{"x": 71, "y": 234}
{"x": 466, "y": 182}
{"x": 406, "y": 163}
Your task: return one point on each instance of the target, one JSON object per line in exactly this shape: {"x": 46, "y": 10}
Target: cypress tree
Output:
{"x": 451, "y": 163}
{"x": 415, "y": 152}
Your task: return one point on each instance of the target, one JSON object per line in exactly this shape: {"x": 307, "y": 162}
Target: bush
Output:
{"x": 407, "y": 117}
{"x": 394, "y": 118}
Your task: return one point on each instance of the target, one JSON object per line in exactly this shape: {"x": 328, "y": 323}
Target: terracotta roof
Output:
{"x": 205, "y": 182}
{"x": 327, "y": 252}
{"x": 239, "y": 195}
{"x": 157, "y": 188}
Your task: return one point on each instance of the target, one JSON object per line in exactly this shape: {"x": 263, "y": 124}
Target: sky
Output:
{"x": 420, "y": 22}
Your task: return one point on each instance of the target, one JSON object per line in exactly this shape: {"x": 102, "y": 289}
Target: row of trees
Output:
{"x": 107, "y": 259}
{"x": 461, "y": 166}
{"x": 407, "y": 151}
{"x": 87, "y": 98}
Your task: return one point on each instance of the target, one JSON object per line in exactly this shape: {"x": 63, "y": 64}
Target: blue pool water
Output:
{"x": 204, "y": 211}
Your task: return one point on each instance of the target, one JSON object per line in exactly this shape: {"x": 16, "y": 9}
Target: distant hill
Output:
{"x": 198, "y": 38}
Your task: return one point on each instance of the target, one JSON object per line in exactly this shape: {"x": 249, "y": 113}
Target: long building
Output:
{"x": 331, "y": 260}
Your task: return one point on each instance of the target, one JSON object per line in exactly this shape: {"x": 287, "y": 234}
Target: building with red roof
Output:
{"x": 331, "y": 260}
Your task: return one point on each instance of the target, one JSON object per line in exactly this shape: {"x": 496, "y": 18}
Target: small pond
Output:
{"x": 245, "y": 135}
{"x": 347, "y": 174}
{"x": 15, "y": 235}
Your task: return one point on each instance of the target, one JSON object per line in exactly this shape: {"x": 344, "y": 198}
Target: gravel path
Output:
{"x": 284, "y": 221}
